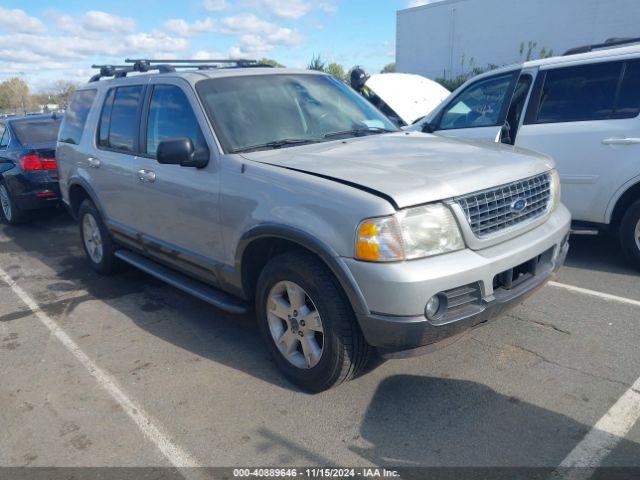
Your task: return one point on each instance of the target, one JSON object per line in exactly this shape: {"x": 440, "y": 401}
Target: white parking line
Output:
{"x": 176, "y": 455}
{"x": 594, "y": 293}
{"x": 607, "y": 433}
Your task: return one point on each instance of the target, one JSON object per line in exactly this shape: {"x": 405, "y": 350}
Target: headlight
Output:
{"x": 555, "y": 189}
{"x": 412, "y": 233}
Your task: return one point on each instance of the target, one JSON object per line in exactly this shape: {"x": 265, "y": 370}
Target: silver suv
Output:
{"x": 285, "y": 190}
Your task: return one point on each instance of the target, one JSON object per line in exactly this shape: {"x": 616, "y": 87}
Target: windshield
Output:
{"x": 276, "y": 111}
{"x": 31, "y": 132}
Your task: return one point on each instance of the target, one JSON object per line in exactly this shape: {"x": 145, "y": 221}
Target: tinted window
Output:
{"x": 4, "y": 136}
{"x": 31, "y": 132}
{"x": 75, "y": 118}
{"x": 105, "y": 117}
{"x": 123, "y": 126}
{"x": 629, "y": 100}
{"x": 586, "y": 92}
{"x": 171, "y": 116}
{"x": 479, "y": 105}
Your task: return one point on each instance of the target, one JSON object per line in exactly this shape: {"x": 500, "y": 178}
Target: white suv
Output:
{"x": 580, "y": 109}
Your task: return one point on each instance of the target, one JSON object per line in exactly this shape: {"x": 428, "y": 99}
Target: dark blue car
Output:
{"x": 28, "y": 168}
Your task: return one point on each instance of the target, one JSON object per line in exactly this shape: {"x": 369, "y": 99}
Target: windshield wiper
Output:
{"x": 359, "y": 132}
{"x": 285, "y": 142}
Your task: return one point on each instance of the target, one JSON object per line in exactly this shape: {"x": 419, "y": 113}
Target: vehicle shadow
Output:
{"x": 600, "y": 252}
{"x": 418, "y": 421}
{"x": 196, "y": 326}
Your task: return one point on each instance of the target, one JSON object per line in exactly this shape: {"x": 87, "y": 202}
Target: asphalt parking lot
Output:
{"x": 126, "y": 371}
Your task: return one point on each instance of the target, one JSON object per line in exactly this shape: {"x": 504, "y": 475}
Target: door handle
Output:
{"x": 621, "y": 141}
{"x": 93, "y": 162}
{"x": 146, "y": 176}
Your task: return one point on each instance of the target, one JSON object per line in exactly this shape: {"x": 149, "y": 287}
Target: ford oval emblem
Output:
{"x": 519, "y": 205}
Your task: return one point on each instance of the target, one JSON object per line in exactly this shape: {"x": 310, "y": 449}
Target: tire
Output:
{"x": 344, "y": 351}
{"x": 96, "y": 240}
{"x": 10, "y": 213}
{"x": 630, "y": 233}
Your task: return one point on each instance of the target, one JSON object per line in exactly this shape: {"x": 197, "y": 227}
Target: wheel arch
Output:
{"x": 627, "y": 197}
{"x": 80, "y": 190}
{"x": 261, "y": 243}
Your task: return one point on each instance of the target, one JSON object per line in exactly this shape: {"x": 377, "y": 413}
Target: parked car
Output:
{"x": 582, "y": 110}
{"x": 28, "y": 169}
{"x": 402, "y": 97}
{"x": 286, "y": 190}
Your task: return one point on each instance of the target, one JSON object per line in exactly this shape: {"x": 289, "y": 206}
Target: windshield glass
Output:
{"x": 250, "y": 112}
{"x": 31, "y": 132}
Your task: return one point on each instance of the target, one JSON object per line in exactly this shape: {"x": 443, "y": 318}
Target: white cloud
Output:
{"x": 67, "y": 23}
{"x": 290, "y": 9}
{"x": 183, "y": 28}
{"x": 418, "y": 3}
{"x": 96, "y": 21}
{"x": 16, "y": 20}
{"x": 208, "y": 55}
{"x": 214, "y": 5}
{"x": 256, "y": 36}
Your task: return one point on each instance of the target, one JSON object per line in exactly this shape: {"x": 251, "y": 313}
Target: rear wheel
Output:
{"x": 96, "y": 240}
{"x": 307, "y": 323}
{"x": 9, "y": 211}
{"x": 630, "y": 233}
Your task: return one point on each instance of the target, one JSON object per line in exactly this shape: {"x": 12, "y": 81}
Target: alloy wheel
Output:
{"x": 92, "y": 238}
{"x": 295, "y": 325}
{"x": 637, "y": 234}
{"x": 5, "y": 203}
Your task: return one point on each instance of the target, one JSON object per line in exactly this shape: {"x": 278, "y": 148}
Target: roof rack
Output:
{"x": 611, "y": 42}
{"x": 142, "y": 65}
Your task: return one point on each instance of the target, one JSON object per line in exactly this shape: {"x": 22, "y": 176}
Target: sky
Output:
{"x": 43, "y": 41}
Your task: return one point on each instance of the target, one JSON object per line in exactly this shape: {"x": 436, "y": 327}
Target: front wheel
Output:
{"x": 630, "y": 233}
{"x": 307, "y": 323}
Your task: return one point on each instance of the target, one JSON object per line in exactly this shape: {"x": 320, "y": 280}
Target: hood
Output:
{"x": 410, "y": 96}
{"x": 411, "y": 168}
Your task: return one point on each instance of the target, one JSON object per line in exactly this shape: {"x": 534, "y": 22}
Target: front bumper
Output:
{"x": 397, "y": 293}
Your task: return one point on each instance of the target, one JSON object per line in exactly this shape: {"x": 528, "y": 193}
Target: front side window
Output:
{"x": 171, "y": 116}
{"x": 76, "y": 117}
{"x": 480, "y": 105}
{"x": 119, "y": 120}
{"x": 582, "y": 93}
{"x": 251, "y": 111}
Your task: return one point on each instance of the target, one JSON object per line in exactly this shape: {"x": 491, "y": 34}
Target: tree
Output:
{"x": 63, "y": 90}
{"x": 317, "y": 63}
{"x": 336, "y": 70}
{"x": 14, "y": 95}
{"x": 390, "y": 68}
{"x": 269, "y": 61}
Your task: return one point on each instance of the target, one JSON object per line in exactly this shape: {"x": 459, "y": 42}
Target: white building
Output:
{"x": 449, "y": 37}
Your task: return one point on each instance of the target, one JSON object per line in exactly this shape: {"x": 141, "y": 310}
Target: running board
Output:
{"x": 198, "y": 289}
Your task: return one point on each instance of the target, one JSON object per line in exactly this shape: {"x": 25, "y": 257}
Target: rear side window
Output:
{"x": 629, "y": 100}
{"x": 171, "y": 116}
{"x": 4, "y": 136}
{"x": 119, "y": 120}
{"x": 32, "y": 132}
{"x": 76, "y": 117}
{"x": 582, "y": 93}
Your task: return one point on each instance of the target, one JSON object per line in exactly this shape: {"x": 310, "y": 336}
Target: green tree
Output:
{"x": 63, "y": 90}
{"x": 390, "y": 68}
{"x": 336, "y": 70}
{"x": 269, "y": 61}
{"x": 317, "y": 63}
{"x": 14, "y": 95}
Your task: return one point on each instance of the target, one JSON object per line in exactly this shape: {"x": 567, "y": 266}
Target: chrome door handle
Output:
{"x": 93, "y": 162}
{"x": 146, "y": 176}
{"x": 621, "y": 141}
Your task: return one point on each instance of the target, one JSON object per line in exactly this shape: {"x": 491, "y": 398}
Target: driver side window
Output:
{"x": 479, "y": 105}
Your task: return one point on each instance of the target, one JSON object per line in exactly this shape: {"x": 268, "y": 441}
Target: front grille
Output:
{"x": 492, "y": 210}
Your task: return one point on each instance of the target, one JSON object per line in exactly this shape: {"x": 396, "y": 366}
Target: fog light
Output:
{"x": 433, "y": 307}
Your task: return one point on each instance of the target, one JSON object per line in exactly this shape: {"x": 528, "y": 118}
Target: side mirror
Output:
{"x": 428, "y": 127}
{"x": 180, "y": 151}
